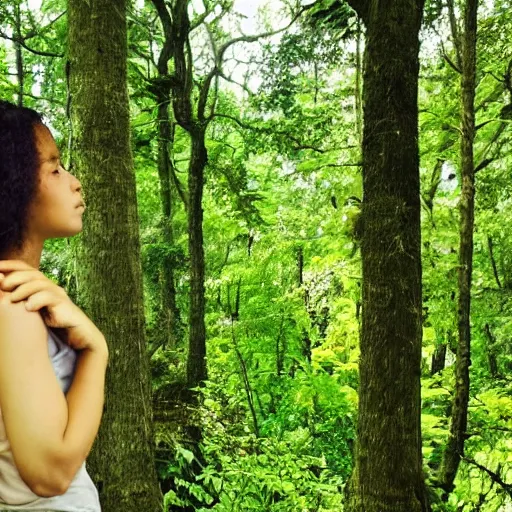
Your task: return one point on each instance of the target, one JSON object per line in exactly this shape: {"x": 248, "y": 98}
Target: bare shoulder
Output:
{"x": 8, "y": 308}
{"x": 15, "y": 320}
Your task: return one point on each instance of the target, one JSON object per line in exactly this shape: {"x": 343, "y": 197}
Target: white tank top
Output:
{"x": 82, "y": 495}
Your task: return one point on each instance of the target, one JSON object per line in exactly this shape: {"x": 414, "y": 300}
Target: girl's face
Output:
{"x": 58, "y": 207}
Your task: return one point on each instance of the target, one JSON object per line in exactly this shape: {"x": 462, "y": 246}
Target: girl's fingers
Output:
{"x": 17, "y": 278}
{"x": 40, "y": 300}
{"x": 25, "y": 290}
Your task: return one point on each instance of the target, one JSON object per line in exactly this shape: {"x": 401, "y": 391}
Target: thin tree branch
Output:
{"x": 178, "y": 185}
{"x": 492, "y": 475}
{"x": 205, "y": 89}
{"x": 165, "y": 18}
{"x": 21, "y": 42}
{"x": 200, "y": 19}
{"x": 44, "y": 29}
{"x": 52, "y": 101}
{"x": 242, "y": 86}
{"x": 134, "y": 66}
{"x": 455, "y": 33}
{"x": 215, "y": 97}
{"x": 256, "y": 37}
{"x": 449, "y": 61}
{"x": 219, "y": 58}
{"x": 355, "y": 164}
{"x": 299, "y": 146}
{"x": 484, "y": 162}
{"x": 146, "y": 57}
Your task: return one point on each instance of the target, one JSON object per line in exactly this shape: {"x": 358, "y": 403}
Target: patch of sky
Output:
{"x": 288, "y": 167}
{"x": 449, "y": 180}
{"x": 34, "y": 5}
{"x": 253, "y": 184}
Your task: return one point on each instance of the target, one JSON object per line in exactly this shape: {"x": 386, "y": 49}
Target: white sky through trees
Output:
{"x": 248, "y": 14}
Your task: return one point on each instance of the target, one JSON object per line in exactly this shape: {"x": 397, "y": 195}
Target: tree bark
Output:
{"x": 388, "y": 474}
{"x": 171, "y": 313}
{"x": 455, "y": 445}
{"x": 122, "y": 461}
{"x": 358, "y": 106}
{"x": 196, "y": 363}
{"x": 176, "y": 27}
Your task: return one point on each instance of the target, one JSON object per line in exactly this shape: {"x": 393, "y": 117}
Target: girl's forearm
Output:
{"x": 85, "y": 399}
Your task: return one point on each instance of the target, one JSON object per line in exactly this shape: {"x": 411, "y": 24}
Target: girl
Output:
{"x": 51, "y": 388}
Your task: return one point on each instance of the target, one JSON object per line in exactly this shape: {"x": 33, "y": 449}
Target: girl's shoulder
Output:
{"x": 8, "y": 307}
{"x": 15, "y": 320}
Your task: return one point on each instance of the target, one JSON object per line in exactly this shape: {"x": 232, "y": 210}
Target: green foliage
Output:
{"x": 283, "y": 274}
{"x": 334, "y": 15}
{"x": 243, "y": 472}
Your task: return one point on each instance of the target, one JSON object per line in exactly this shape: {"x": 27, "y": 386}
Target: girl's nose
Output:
{"x": 77, "y": 186}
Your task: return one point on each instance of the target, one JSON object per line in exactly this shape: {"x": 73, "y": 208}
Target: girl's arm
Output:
{"x": 50, "y": 434}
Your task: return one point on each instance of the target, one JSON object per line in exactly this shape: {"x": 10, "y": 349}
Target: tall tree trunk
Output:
{"x": 170, "y": 310}
{"x": 357, "y": 93}
{"x": 122, "y": 461}
{"x": 176, "y": 27}
{"x": 388, "y": 474}
{"x": 455, "y": 445}
{"x": 196, "y": 363}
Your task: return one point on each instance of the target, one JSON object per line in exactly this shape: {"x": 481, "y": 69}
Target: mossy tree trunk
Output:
{"x": 196, "y": 363}
{"x": 171, "y": 315}
{"x": 467, "y": 60}
{"x": 388, "y": 474}
{"x": 122, "y": 460}
{"x": 191, "y": 117}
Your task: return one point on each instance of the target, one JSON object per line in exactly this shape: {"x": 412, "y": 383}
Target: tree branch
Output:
{"x": 229, "y": 79}
{"x": 215, "y": 97}
{"x": 200, "y": 19}
{"x": 44, "y": 29}
{"x": 256, "y": 37}
{"x": 493, "y": 476}
{"x": 484, "y": 162}
{"x": 143, "y": 56}
{"x": 219, "y": 58}
{"x": 205, "y": 89}
{"x": 355, "y": 164}
{"x": 21, "y": 41}
{"x": 270, "y": 132}
{"x": 165, "y": 18}
{"x": 455, "y": 33}
{"x": 449, "y": 61}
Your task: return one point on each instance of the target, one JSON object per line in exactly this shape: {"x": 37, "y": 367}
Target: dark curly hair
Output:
{"x": 19, "y": 164}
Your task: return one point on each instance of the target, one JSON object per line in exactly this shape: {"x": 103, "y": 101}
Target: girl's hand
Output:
{"x": 57, "y": 310}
